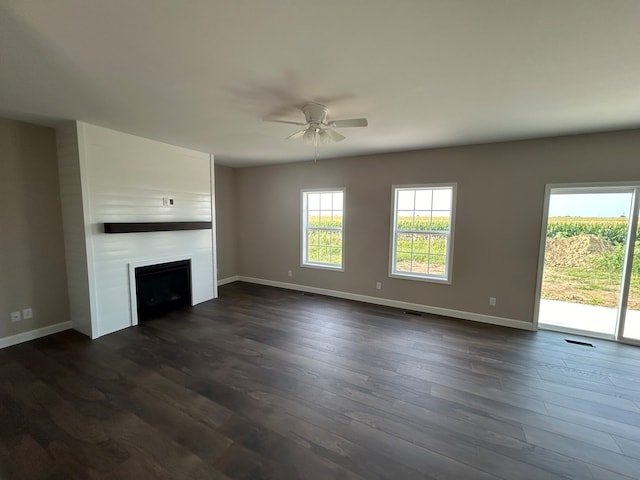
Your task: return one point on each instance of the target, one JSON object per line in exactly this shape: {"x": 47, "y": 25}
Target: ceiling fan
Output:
{"x": 318, "y": 128}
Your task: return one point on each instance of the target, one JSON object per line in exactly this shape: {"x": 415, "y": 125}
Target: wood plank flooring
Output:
{"x": 265, "y": 383}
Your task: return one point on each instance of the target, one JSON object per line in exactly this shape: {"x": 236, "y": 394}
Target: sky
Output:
{"x": 590, "y": 205}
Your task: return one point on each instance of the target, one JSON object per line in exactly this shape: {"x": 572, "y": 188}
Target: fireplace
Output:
{"x": 162, "y": 288}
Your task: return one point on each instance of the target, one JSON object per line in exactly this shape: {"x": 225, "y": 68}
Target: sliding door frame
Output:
{"x": 609, "y": 187}
{"x": 627, "y": 268}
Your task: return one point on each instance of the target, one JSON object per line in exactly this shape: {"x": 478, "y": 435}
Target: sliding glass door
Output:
{"x": 590, "y": 281}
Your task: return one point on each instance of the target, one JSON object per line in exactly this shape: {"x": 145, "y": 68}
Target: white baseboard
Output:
{"x": 476, "y": 317}
{"x": 33, "y": 334}
{"x": 224, "y": 281}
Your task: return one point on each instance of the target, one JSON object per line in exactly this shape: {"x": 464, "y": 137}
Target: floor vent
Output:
{"x": 413, "y": 312}
{"x": 576, "y": 342}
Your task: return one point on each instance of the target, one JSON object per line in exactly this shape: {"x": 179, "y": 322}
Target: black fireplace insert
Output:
{"x": 162, "y": 288}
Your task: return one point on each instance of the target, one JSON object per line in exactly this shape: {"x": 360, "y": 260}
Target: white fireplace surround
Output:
{"x": 108, "y": 176}
{"x": 133, "y": 298}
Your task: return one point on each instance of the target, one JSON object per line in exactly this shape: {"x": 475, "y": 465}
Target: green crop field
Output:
{"x": 325, "y": 244}
{"x": 612, "y": 229}
{"x": 596, "y": 283}
{"x": 417, "y": 251}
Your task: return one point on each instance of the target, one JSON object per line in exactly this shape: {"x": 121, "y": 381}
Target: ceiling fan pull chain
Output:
{"x": 316, "y": 142}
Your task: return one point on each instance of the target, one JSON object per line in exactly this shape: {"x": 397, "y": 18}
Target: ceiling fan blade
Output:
{"x": 335, "y": 136}
{"x": 349, "y": 122}
{"x": 298, "y": 134}
{"x": 302, "y": 124}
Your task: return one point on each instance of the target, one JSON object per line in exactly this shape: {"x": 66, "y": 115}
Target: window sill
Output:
{"x": 321, "y": 266}
{"x": 420, "y": 278}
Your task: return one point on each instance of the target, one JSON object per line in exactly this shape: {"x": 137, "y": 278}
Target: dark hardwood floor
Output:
{"x": 270, "y": 383}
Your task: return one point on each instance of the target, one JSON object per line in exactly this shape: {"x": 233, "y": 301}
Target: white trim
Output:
{"x": 85, "y": 192}
{"x": 133, "y": 300}
{"x": 476, "y": 317}
{"x": 214, "y": 229}
{"x": 632, "y": 228}
{"x": 442, "y": 279}
{"x": 322, "y": 266}
{"x": 35, "y": 334}
{"x": 541, "y": 252}
{"x": 629, "y": 341}
{"x": 593, "y": 187}
{"x": 576, "y": 331}
{"x": 232, "y": 279}
{"x": 420, "y": 278}
{"x": 303, "y": 228}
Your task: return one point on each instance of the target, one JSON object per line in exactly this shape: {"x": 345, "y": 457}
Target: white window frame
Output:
{"x": 423, "y": 277}
{"x": 304, "y": 229}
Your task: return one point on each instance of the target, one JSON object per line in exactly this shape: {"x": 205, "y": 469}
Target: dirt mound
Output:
{"x": 576, "y": 251}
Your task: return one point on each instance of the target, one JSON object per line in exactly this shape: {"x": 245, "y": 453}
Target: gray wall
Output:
{"x": 225, "y": 191}
{"x": 32, "y": 266}
{"x": 498, "y": 219}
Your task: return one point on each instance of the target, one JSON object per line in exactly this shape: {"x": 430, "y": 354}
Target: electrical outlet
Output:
{"x": 492, "y": 301}
{"x": 27, "y": 313}
{"x": 15, "y": 316}
{"x": 290, "y": 273}
{"x": 378, "y": 285}
{"x": 168, "y": 202}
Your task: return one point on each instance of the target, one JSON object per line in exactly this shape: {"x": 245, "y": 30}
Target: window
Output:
{"x": 422, "y": 232}
{"x": 322, "y": 220}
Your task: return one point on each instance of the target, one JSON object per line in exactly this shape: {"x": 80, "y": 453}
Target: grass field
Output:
{"x": 598, "y": 282}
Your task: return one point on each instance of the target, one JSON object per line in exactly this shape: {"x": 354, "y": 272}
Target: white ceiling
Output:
{"x": 205, "y": 73}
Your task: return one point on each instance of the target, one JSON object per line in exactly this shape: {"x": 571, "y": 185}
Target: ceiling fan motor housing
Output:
{"x": 315, "y": 114}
